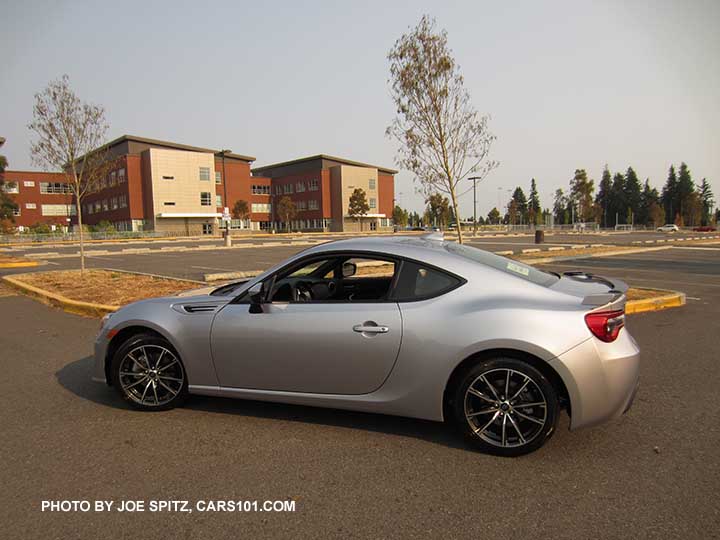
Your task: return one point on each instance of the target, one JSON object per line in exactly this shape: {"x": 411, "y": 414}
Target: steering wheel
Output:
{"x": 301, "y": 292}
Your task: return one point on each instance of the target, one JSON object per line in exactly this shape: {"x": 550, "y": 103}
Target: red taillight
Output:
{"x": 605, "y": 325}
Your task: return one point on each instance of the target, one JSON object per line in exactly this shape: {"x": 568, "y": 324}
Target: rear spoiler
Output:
{"x": 615, "y": 297}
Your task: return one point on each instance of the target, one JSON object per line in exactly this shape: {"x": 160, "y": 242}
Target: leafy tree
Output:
{"x": 656, "y": 214}
{"x": 400, "y": 216}
{"x": 443, "y": 138}
{"x": 438, "y": 209}
{"x": 7, "y": 204}
{"x": 241, "y": 210}
{"x": 286, "y": 211}
{"x": 534, "y": 208}
{"x": 581, "y": 191}
{"x": 493, "y": 217}
{"x": 604, "y": 193}
{"x": 706, "y": 195}
{"x": 69, "y": 134}
{"x": 670, "y": 198}
{"x": 648, "y": 198}
{"x": 358, "y": 206}
{"x": 618, "y": 205}
{"x": 521, "y": 206}
{"x": 633, "y": 191}
{"x": 685, "y": 189}
{"x": 693, "y": 209}
{"x": 560, "y": 207}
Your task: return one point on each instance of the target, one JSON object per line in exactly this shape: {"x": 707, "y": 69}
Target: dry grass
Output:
{"x": 8, "y": 259}
{"x": 572, "y": 252}
{"x": 106, "y": 287}
{"x": 644, "y": 294}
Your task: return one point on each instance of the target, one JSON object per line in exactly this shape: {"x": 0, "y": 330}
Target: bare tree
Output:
{"x": 287, "y": 211}
{"x": 443, "y": 138}
{"x": 69, "y": 137}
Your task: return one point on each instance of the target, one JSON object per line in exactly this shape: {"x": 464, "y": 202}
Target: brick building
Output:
{"x": 180, "y": 189}
{"x": 321, "y": 186}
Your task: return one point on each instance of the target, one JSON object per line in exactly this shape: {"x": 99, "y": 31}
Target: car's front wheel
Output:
{"x": 148, "y": 373}
{"x": 505, "y": 407}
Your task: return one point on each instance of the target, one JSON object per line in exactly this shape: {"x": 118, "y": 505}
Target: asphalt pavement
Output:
{"x": 651, "y": 474}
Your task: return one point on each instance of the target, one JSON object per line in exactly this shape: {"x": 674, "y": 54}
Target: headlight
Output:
{"x": 104, "y": 321}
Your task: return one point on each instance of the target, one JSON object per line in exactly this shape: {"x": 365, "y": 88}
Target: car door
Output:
{"x": 336, "y": 346}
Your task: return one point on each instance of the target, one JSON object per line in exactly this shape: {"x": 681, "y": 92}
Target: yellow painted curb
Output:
{"x": 27, "y": 264}
{"x": 671, "y": 300}
{"x": 87, "y": 309}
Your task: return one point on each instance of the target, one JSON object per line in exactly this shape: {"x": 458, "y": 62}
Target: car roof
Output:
{"x": 428, "y": 248}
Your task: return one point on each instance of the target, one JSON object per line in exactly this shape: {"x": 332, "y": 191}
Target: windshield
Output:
{"x": 504, "y": 264}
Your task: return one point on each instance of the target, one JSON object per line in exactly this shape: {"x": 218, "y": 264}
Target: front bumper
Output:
{"x": 601, "y": 378}
{"x": 100, "y": 351}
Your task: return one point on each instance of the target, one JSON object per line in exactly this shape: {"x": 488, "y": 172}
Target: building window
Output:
{"x": 301, "y": 205}
{"x": 169, "y": 203}
{"x": 113, "y": 178}
{"x": 313, "y": 204}
{"x": 28, "y": 183}
{"x": 206, "y": 198}
{"x": 372, "y": 202}
{"x": 105, "y": 205}
{"x": 218, "y": 200}
{"x": 371, "y": 183}
{"x": 58, "y": 210}
{"x": 121, "y": 175}
{"x": 122, "y": 201}
{"x": 300, "y": 187}
{"x": 114, "y": 203}
{"x": 207, "y": 228}
{"x": 384, "y": 222}
{"x": 261, "y": 208}
{"x": 168, "y": 177}
{"x": 373, "y": 225}
{"x": 11, "y": 187}
{"x": 313, "y": 184}
{"x": 261, "y": 190}
{"x": 16, "y": 211}
{"x": 218, "y": 177}
{"x": 31, "y": 206}
{"x": 57, "y": 188}
{"x": 205, "y": 174}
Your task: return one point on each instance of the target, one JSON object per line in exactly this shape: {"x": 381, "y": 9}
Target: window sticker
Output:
{"x": 518, "y": 269}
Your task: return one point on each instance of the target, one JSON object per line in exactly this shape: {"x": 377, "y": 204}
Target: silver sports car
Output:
{"x": 410, "y": 326}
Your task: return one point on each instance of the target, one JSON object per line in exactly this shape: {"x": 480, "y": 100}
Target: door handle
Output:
{"x": 364, "y": 329}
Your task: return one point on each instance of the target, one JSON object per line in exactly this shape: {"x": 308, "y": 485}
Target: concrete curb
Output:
{"x": 27, "y": 264}
{"x": 87, "y": 309}
{"x": 545, "y": 260}
{"x": 671, "y": 300}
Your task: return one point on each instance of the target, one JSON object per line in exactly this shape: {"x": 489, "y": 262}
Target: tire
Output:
{"x": 148, "y": 374}
{"x": 481, "y": 407}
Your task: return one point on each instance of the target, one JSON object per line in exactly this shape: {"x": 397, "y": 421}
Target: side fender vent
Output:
{"x": 200, "y": 308}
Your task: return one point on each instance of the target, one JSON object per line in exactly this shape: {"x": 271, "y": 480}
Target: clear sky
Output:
{"x": 568, "y": 84}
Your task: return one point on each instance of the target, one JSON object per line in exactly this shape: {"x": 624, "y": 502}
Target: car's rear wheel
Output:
{"x": 148, "y": 373}
{"x": 505, "y": 407}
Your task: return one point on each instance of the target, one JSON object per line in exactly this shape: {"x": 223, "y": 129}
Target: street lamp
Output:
{"x": 474, "y": 179}
{"x": 224, "y": 181}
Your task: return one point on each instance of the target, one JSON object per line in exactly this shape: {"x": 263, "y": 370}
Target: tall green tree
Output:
{"x": 358, "y": 205}
{"x": 7, "y": 204}
{"x": 649, "y": 199}
{"x": 493, "y": 217}
{"x": 560, "y": 206}
{"x": 670, "y": 199}
{"x": 438, "y": 209}
{"x": 442, "y": 137}
{"x": 603, "y": 196}
{"x": 400, "y": 216}
{"x": 617, "y": 207}
{"x": 534, "y": 208}
{"x": 706, "y": 195}
{"x": 521, "y": 205}
{"x": 633, "y": 191}
{"x": 581, "y": 195}
{"x": 685, "y": 190}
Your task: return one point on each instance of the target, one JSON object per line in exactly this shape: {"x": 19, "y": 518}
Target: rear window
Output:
{"x": 504, "y": 264}
{"x": 418, "y": 282}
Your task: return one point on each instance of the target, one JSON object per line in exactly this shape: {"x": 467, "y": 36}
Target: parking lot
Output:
{"x": 651, "y": 474}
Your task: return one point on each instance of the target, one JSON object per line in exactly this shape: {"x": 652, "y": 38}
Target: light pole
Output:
{"x": 474, "y": 179}
{"x": 224, "y": 181}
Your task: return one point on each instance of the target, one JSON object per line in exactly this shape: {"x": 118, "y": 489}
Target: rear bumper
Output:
{"x": 601, "y": 378}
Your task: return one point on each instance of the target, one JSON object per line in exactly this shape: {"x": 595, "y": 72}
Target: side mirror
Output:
{"x": 255, "y": 293}
{"x": 349, "y": 269}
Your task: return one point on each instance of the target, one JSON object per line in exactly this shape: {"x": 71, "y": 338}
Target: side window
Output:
{"x": 417, "y": 282}
{"x": 338, "y": 279}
